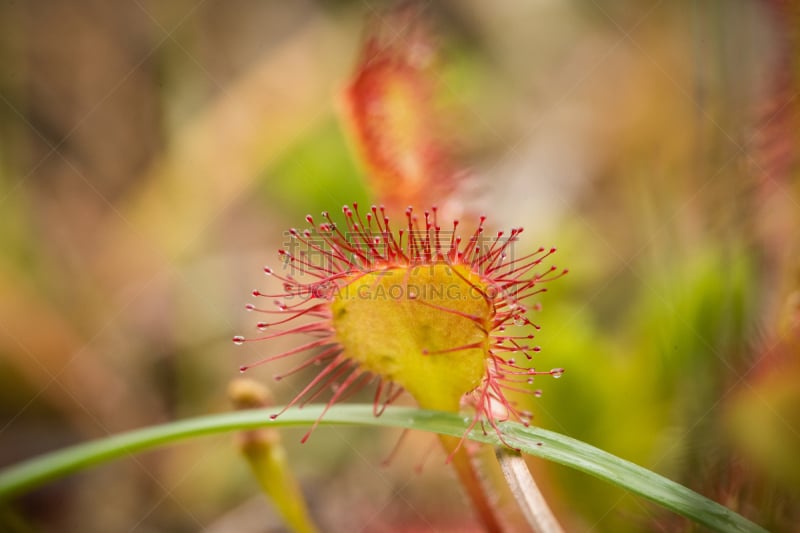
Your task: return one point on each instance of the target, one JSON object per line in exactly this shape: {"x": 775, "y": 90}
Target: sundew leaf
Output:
{"x": 25, "y": 476}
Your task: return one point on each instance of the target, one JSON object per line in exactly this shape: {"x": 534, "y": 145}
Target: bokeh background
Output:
{"x": 152, "y": 155}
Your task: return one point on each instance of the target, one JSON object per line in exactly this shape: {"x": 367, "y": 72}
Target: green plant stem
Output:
{"x": 27, "y": 475}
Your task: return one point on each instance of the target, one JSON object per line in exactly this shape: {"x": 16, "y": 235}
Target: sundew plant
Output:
{"x": 430, "y": 317}
{"x": 419, "y": 310}
{"x": 521, "y": 300}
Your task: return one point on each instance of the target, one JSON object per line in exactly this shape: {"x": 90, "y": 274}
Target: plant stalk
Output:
{"x": 471, "y": 482}
{"x": 527, "y": 493}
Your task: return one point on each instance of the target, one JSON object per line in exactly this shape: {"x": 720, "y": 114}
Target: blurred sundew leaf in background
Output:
{"x": 390, "y": 108}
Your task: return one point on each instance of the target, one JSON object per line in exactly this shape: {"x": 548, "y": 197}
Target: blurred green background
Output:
{"x": 152, "y": 155}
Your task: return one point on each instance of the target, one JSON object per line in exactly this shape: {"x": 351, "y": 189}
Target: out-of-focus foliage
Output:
{"x": 152, "y": 155}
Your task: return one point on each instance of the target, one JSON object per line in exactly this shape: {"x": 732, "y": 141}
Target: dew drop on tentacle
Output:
{"x": 557, "y": 372}
{"x": 238, "y": 340}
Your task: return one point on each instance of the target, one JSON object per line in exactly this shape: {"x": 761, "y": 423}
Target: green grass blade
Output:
{"x": 23, "y": 477}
